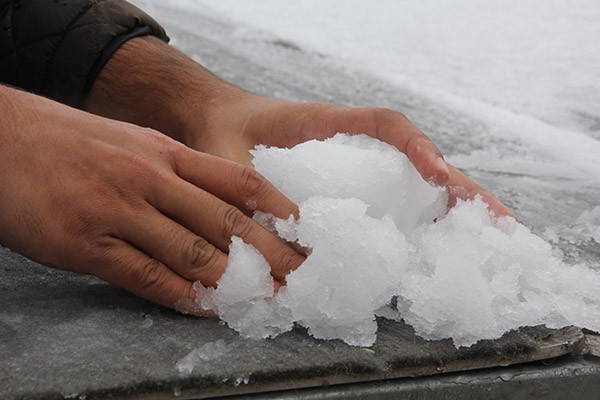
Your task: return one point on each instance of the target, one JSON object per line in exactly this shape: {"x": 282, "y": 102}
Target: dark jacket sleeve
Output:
{"x": 57, "y": 48}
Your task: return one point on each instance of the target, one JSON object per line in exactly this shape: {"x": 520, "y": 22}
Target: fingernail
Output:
{"x": 187, "y": 306}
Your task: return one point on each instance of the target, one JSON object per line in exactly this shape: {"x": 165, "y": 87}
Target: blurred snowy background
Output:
{"x": 509, "y": 90}
{"x": 538, "y": 58}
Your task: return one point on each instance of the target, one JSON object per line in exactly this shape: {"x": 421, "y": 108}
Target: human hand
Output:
{"x": 250, "y": 120}
{"x": 127, "y": 204}
{"x": 184, "y": 100}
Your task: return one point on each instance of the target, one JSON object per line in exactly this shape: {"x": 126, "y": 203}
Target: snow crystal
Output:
{"x": 584, "y": 230}
{"x": 588, "y": 225}
{"x": 239, "y": 380}
{"x": 147, "y": 323}
{"x": 375, "y": 231}
{"x": 208, "y": 352}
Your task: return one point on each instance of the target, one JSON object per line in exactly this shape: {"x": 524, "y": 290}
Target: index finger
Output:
{"x": 239, "y": 185}
{"x": 294, "y": 123}
{"x": 208, "y": 199}
{"x": 396, "y": 129}
{"x": 131, "y": 269}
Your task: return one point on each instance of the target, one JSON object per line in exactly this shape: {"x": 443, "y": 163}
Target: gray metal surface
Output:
{"x": 64, "y": 335}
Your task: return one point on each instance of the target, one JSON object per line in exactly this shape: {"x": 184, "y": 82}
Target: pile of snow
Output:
{"x": 375, "y": 230}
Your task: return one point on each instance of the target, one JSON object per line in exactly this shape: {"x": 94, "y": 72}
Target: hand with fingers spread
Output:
{"x": 128, "y": 204}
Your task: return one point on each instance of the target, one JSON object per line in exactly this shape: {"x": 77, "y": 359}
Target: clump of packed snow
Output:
{"x": 244, "y": 297}
{"x": 375, "y": 230}
{"x": 359, "y": 167}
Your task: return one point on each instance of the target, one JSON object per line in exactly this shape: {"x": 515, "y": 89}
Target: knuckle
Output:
{"x": 160, "y": 177}
{"x": 139, "y": 170}
{"x": 151, "y": 275}
{"x": 152, "y": 134}
{"x": 418, "y": 144}
{"x": 289, "y": 260}
{"x": 131, "y": 158}
{"x": 235, "y": 223}
{"x": 200, "y": 255}
{"x": 99, "y": 249}
{"x": 175, "y": 154}
{"x": 173, "y": 150}
{"x": 387, "y": 115}
{"x": 250, "y": 183}
{"x": 85, "y": 224}
{"x": 157, "y": 144}
{"x": 91, "y": 254}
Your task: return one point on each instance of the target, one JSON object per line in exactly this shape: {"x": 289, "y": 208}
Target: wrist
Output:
{"x": 208, "y": 114}
{"x": 225, "y": 117}
{"x": 7, "y": 112}
{"x": 18, "y": 110}
{"x": 149, "y": 83}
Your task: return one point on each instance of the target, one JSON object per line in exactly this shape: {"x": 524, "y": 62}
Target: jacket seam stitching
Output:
{"x": 52, "y": 35}
{"x": 60, "y": 42}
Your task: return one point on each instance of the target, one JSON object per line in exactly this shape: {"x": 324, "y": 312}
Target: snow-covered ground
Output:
{"x": 520, "y": 80}
{"x": 536, "y": 57}
{"x": 528, "y": 68}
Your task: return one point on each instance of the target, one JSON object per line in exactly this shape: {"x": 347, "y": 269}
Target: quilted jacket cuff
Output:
{"x": 58, "y": 48}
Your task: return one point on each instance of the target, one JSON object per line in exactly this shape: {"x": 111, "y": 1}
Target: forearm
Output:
{"x": 6, "y": 114}
{"x": 149, "y": 83}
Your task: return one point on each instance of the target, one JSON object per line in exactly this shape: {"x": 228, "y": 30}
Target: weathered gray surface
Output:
{"x": 67, "y": 335}
{"x": 64, "y": 334}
